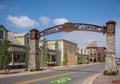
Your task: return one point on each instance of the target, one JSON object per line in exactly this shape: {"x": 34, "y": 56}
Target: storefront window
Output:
{"x": 19, "y": 58}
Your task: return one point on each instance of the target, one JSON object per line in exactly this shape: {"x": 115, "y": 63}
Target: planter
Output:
{"x": 116, "y": 81}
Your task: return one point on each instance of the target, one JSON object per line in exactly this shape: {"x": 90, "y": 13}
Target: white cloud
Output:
{"x": 44, "y": 20}
{"x": 21, "y": 21}
{"x": 83, "y": 38}
{"x": 59, "y": 21}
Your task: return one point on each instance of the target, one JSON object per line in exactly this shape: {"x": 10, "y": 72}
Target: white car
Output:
{"x": 118, "y": 62}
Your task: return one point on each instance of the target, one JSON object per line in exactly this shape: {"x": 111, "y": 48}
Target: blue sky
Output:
{"x": 22, "y": 15}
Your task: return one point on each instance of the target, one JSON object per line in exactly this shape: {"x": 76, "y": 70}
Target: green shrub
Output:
{"x": 111, "y": 73}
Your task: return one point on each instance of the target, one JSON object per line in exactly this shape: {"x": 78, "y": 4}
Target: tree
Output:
{"x": 103, "y": 58}
{"x": 27, "y": 49}
{"x": 65, "y": 58}
{"x": 87, "y": 58}
{"x": 48, "y": 56}
{"x": 5, "y": 57}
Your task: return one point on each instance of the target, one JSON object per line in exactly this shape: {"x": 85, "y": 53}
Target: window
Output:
{"x": 94, "y": 53}
{"x": 90, "y": 53}
{"x": 94, "y": 50}
{"x": 22, "y": 58}
{"x": 70, "y": 49}
{"x": 1, "y": 34}
{"x": 18, "y": 58}
{"x": 27, "y": 40}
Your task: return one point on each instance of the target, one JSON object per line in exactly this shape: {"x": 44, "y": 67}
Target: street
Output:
{"x": 78, "y": 74}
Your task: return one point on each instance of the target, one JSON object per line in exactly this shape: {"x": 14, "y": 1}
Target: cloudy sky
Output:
{"x": 22, "y": 15}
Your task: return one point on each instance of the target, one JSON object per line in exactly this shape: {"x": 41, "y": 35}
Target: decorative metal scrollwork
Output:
{"x": 68, "y": 27}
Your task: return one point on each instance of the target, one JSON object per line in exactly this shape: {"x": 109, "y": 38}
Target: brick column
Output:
{"x": 110, "y": 64}
{"x": 34, "y": 58}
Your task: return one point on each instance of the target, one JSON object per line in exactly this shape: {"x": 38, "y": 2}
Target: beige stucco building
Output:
{"x": 83, "y": 51}
{"x": 66, "y": 51}
{"x": 83, "y": 56}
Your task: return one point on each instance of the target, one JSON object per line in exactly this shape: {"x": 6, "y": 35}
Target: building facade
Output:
{"x": 96, "y": 54}
{"x": 17, "y": 45}
{"x": 62, "y": 52}
{"x": 83, "y": 56}
{"x": 101, "y": 54}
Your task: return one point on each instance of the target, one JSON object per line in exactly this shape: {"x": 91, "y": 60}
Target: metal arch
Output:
{"x": 90, "y": 27}
{"x": 51, "y": 30}
{"x": 68, "y": 27}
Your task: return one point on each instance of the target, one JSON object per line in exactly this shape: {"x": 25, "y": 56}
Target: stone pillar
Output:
{"x": 34, "y": 59}
{"x": 110, "y": 65}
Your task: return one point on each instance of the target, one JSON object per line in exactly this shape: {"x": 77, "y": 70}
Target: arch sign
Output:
{"x": 109, "y": 30}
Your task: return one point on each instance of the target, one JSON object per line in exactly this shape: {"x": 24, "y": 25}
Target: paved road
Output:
{"x": 78, "y": 73}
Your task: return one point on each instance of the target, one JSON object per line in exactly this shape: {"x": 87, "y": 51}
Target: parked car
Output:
{"x": 118, "y": 62}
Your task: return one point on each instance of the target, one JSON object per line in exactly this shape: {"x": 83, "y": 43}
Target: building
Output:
{"x": 48, "y": 55}
{"x": 93, "y": 54}
{"x": 101, "y": 54}
{"x": 96, "y": 53}
{"x": 17, "y": 48}
{"x": 83, "y": 56}
{"x": 62, "y": 52}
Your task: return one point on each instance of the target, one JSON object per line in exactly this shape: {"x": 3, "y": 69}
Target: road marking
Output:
{"x": 60, "y": 80}
{"x": 48, "y": 77}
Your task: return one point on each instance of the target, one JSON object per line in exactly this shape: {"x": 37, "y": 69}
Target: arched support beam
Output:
{"x": 68, "y": 27}
{"x": 110, "y": 65}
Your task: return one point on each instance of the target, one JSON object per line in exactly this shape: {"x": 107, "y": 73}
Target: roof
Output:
{"x": 20, "y": 34}
{"x": 1, "y": 26}
{"x": 92, "y": 44}
{"x": 12, "y": 39}
{"x": 16, "y": 49}
{"x": 64, "y": 41}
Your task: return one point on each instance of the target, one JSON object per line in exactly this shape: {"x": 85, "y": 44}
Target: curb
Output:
{"x": 91, "y": 79}
{"x": 22, "y": 72}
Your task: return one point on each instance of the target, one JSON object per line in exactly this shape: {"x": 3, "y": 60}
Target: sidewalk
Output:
{"x": 101, "y": 79}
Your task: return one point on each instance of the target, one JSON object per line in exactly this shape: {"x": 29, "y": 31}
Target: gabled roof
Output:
{"x": 12, "y": 39}
{"x": 92, "y": 44}
{"x": 20, "y": 34}
{"x": 63, "y": 40}
{"x": 1, "y": 26}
